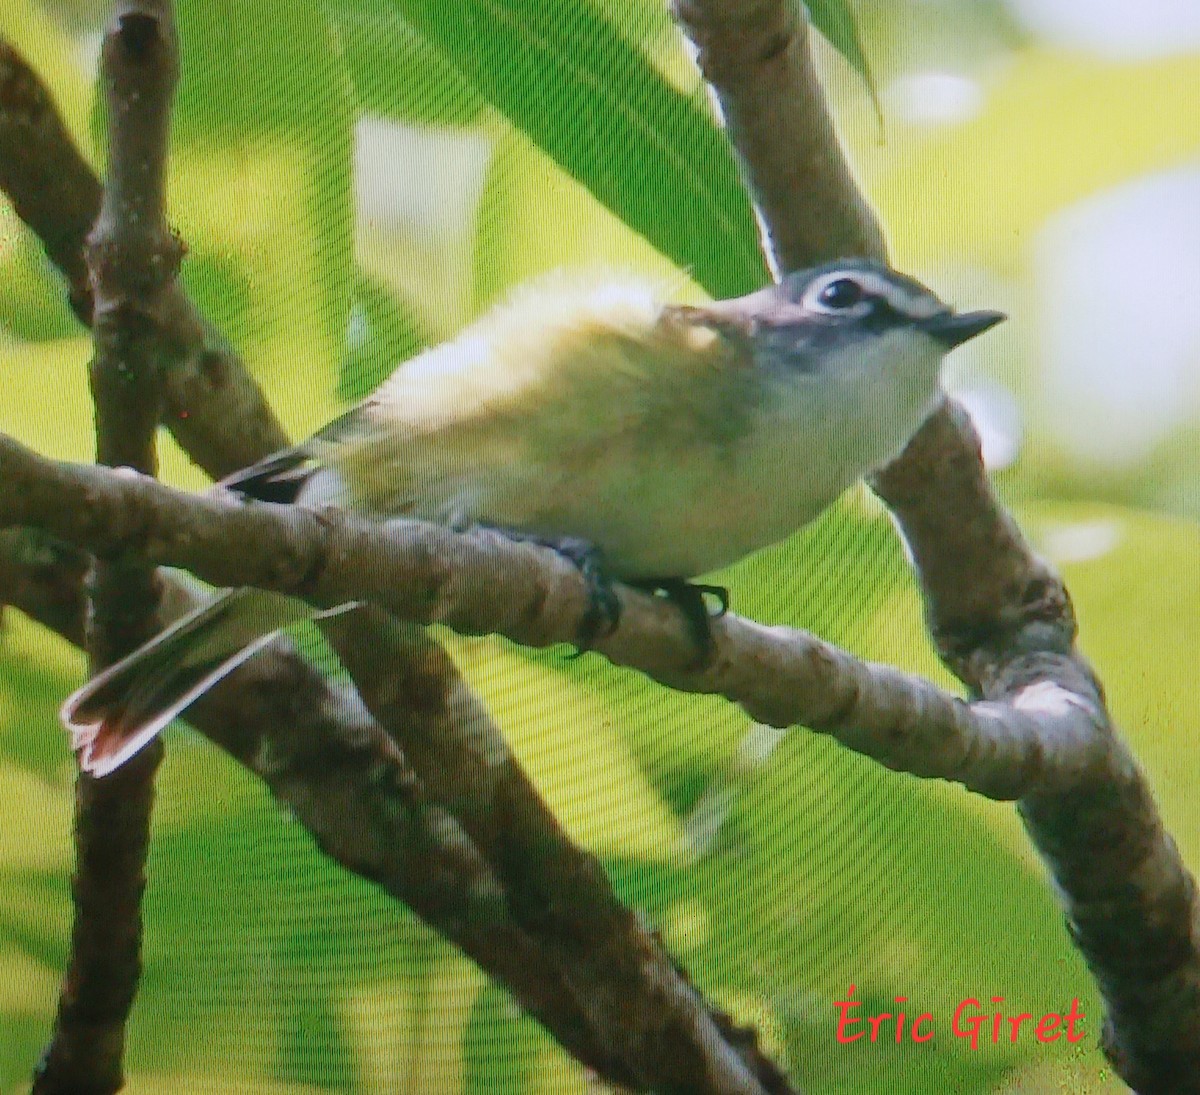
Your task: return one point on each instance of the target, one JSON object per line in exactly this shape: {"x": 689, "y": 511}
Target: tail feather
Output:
{"x": 123, "y": 708}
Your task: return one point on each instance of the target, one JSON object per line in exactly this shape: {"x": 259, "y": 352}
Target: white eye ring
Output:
{"x": 840, "y": 294}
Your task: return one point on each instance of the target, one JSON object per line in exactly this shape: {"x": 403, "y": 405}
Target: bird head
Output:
{"x": 846, "y": 315}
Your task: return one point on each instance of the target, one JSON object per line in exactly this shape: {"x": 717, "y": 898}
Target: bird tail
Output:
{"x": 122, "y": 708}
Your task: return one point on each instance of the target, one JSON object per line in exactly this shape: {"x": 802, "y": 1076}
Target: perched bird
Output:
{"x": 651, "y": 442}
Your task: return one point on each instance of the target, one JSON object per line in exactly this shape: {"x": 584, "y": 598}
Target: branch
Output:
{"x": 1000, "y": 617}
{"x": 211, "y": 405}
{"x": 644, "y": 1011}
{"x": 327, "y": 761}
{"x": 643, "y": 1019}
{"x": 481, "y": 582}
{"x": 754, "y": 54}
{"x": 341, "y": 776}
{"x": 131, "y": 259}
{"x": 51, "y": 186}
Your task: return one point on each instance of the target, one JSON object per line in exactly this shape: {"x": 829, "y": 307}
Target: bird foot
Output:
{"x": 603, "y": 612}
{"x": 604, "y": 606}
{"x": 689, "y": 598}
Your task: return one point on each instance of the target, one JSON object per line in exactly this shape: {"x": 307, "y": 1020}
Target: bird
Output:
{"x": 651, "y": 442}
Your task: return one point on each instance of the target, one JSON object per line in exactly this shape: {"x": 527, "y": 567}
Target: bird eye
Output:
{"x": 840, "y": 294}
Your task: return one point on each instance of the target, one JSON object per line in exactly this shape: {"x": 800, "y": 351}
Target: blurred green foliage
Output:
{"x": 814, "y": 868}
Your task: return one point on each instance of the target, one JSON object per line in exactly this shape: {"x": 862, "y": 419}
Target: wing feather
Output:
{"x": 497, "y": 424}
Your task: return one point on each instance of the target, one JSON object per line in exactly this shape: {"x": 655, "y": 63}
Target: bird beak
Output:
{"x": 954, "y": 328}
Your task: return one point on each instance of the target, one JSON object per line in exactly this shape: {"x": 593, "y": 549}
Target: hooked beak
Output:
{"x": 954, "y": 328}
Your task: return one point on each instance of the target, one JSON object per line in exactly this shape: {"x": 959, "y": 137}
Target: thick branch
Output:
{"x": 754, "y": 53}
{"x": 322, "y": 755}
{"x": 1049, "y": 737}
{"x": 1003, "y": 621}
{"x": 1000, "y": 617}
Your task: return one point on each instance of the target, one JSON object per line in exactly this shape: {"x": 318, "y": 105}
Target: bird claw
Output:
{"x": 721, "y": 593}
{"x": 603, "y": 611}
{"x": 604, "y": 606}
{"x": 689, "y": 599}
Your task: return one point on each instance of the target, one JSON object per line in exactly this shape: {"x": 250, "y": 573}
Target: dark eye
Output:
{"x": 843, "y": 293}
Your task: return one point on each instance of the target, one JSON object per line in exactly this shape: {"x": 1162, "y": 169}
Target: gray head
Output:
{"x": 843, "y": 312}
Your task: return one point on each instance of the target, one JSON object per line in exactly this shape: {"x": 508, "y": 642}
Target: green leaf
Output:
{"x": 397, "y": 73}
{"x": 513, "y": 248}
{"x": 270, "y": 74}
{"x": 567, "y": 78}
{"x": 383, "y": 333}
{"x": 33, "y": 303}
{"x": 835, "y": 20}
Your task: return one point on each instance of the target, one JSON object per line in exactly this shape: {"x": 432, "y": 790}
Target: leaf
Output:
{"x": 270, "y": 73}
{"x": 835, "y": 20}
{"x": 397, "y": 73}
{"x": 383, "y": 332}
{"x": 513, "y": 248}
{"x": 530, "y": 1061}
{"x": 566, "y": 77}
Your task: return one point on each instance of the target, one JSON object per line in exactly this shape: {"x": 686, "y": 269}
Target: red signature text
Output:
{"x": 970, "y": 1021}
